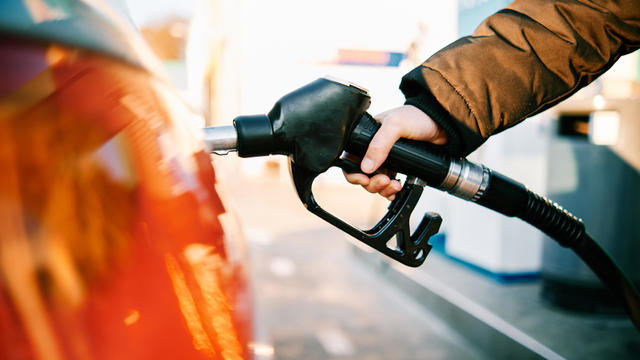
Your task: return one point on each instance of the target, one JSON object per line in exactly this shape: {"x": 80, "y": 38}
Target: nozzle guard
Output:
{"x": 410, "y": 249}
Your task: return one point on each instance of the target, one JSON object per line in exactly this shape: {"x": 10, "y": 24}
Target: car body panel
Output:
{"x": 114, "y": 242}
{"x": 101, "y": 26}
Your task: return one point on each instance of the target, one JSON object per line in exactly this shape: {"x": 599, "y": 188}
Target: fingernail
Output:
{"x": 366, "y": 165}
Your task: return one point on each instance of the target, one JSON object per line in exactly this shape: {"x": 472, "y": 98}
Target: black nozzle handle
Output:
{"x": 415, "y": 158}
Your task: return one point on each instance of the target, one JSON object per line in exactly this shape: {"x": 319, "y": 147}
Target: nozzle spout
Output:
{"x": 220, "y": 140}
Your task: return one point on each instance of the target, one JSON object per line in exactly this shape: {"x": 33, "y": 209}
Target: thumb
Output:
{"x": 379, "y": 147}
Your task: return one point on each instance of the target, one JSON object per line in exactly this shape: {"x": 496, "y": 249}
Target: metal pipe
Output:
{"x": 220, "y": 140}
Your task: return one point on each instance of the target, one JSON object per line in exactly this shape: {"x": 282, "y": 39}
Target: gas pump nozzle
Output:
{"x": 316, "y": 123}
{"x": 313, "y": 126}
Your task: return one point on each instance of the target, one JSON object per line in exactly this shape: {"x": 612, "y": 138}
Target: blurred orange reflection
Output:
{"x": 132, "y": 318}
{"x": 111, "y": 247}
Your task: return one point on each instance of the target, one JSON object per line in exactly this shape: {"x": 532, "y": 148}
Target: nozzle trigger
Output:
{"x": 410, "y": 249}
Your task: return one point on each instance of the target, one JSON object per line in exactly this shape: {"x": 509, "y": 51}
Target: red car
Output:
{"x": 114, "y": 243}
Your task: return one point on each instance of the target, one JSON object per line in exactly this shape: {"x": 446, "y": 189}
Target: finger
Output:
{"x": 391, "y": 189}
{"x": 357, "y": 178}
{"x": 379, "y": 147}
{"x": 378, "y": 183}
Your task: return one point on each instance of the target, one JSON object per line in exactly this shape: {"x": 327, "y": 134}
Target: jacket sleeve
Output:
{"x": 520, "y": 61}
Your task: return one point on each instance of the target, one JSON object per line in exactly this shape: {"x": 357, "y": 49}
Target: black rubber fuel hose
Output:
{"x": 511, "y": 198}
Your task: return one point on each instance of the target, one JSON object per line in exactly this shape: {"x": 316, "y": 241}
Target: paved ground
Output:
{"x": 317, "y": 299}
{"x": 321, "y": 303}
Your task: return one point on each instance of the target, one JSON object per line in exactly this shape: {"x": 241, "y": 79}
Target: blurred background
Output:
{"x": 493, "y": 286}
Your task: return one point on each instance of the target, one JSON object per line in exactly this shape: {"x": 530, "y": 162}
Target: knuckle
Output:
{"x": 393, "y": 123}
{"x": 350, "y": 177}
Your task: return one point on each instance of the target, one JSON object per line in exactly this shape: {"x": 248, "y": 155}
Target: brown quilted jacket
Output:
{"x": 520, "y": 61}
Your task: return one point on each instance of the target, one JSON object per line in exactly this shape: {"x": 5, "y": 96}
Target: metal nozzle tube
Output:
{"x": 220, "y": 139}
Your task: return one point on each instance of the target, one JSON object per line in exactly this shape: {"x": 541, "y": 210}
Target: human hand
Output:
{"x": 406, "y": 121}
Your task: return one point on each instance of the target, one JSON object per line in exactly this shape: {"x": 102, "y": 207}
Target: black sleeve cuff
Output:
{"x": 460, "y": 140}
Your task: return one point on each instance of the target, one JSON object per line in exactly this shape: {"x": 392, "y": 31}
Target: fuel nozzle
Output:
{"x": 313, "y": 126}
